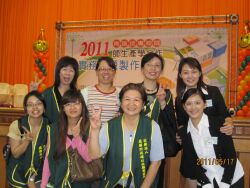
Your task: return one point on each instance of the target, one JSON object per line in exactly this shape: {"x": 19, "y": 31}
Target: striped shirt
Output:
{"x": 109, "y": 102}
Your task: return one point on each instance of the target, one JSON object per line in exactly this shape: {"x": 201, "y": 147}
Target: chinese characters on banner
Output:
{"x": 127, "y": 47}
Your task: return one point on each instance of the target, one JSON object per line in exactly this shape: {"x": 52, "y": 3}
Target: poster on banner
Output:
{"x": 127, "y": 47}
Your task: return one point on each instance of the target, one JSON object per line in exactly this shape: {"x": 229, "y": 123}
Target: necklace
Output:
{"x": 131, "y": 134}
{"x": 131, "y": 130}
{"x": 149, "y": 90}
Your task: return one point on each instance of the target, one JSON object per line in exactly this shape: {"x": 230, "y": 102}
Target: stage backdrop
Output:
{"x": 126, "y": 47}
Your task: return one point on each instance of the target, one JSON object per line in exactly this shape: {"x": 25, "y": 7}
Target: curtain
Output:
{"x": 21, "y": 21}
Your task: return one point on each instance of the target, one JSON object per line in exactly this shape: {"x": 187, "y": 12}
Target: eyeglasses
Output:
{"x": 105, "y": 70}
{"x": 72, "y": 104}
{"x": 34, "y": 105}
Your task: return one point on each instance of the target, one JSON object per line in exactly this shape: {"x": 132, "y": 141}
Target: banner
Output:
{"x": 127, "y": 47}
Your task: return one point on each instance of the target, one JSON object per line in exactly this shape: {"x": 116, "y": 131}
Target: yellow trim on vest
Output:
{"x": 53, "y": 91}
{"x": 151, "y": 107}
{"x": 107, "y": 184}
{"x": 107, "y": 132}
{"x": 133, "y": 179}
{"x": 167, "y": 102}
{"x": 125, "y": 175}
{"x": 31, "y": 169}
{"x": 152, "y": 130}
{"x": 12, "y": 177}
{"x": 66, "y": 178}
{"x": 48, "y": 145}
{"x": 123, "y": 143}
{"x": 14, "y": 185}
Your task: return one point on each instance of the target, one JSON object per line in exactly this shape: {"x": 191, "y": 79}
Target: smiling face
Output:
{"x": 34, "y": 107}
{"x": 132, "y": 103}
{"x": 194, "y": 106}
{"x": 73, "y": 110}
{"x": 152, "y": 69}
{"x": 66, "y": 75}
{"x": 190, "y": 76}
{"x": 105, "y": 73}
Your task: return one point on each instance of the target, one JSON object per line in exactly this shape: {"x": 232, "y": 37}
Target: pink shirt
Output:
{"x": 77, "y": 143}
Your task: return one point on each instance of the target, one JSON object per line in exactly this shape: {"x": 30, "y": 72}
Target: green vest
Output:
{"x": 31, "y": 162}
{"x": 153, "y": 111}
{"x": 52, "y": 107}
{"x": 59, "y": 170}
{"x": 140, "y": 152}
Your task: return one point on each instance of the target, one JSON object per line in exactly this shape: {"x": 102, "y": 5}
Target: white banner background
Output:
{"x": 127, "y": 47}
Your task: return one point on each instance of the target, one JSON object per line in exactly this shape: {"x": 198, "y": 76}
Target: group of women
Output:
{"x": 133, "y": 129}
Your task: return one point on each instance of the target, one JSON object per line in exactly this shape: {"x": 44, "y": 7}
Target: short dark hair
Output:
{"x": 133, "y": 86}
{"x": 36, "y": 94}
{"x": 109, "y": 60}
{"x": 146, "y": 58}
{"x": 193, "y": 91}
{"x": 64, "y": 62}
{"x": 193, "y": 63}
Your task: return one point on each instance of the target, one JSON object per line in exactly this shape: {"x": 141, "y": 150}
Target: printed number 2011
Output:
{"x": 94, "y": 49}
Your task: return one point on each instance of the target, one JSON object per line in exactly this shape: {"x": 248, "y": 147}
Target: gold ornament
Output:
{"x": 41, "y": 44}
{"x": 244, "y": 41}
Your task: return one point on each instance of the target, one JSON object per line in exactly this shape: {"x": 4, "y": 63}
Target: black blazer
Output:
{"x": 224, "y": 149}
{"x": 217, "y": 109}
{"x": 167, "y": 123}
{"x": 168, "y": 126}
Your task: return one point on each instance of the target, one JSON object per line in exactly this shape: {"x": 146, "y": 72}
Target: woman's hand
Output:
{"x": 161, "y": 96}
{"x": 95, "y": 125}
{"x": 95, "y": 120}
{"x": 35, "y": 84}
{"x": 151, "y": 174}
{"x": 76, "y": 129}
{"x": 227, "y": 127}
{"x": 28, "y": 136}
{"x": 18, "y": 147}
{"x": 178, "y": 139}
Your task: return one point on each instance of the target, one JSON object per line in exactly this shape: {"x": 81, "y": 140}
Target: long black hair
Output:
{"x": 68, "y": 97}
{"x": 193, "y": 63}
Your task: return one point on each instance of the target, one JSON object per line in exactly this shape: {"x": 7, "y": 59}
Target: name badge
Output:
{"x": 211, "y": 140}
{"x": 209, "y": 103}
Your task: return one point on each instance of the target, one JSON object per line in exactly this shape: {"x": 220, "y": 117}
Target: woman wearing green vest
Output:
{"x": 70, "y": 133}
{"x": 131, "y": 143}
{"x": 27, "y": 139}
{"x": 66, "y": 74}
{"x": 159, "y": 106}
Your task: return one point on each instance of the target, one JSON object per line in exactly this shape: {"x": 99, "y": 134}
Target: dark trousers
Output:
{"x": 238, "y": 184}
